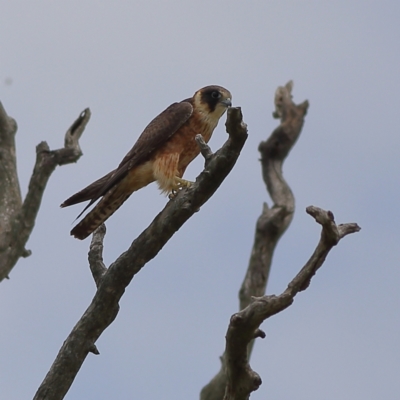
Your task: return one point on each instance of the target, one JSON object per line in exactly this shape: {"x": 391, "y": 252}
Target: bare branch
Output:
{"x": 17, "y": 219}
{"x": 273, "y": 221}
{"x": 104, "y": 307}
{"x": 330, "y": 236}
{"x": 96, "y": 254}
{"x": 244, "y": 326}
{"x": 204, "y": 148}
{"x": 75, "y": 131}
{"x": 8, "y": 127}
{"x": 10, "y": 193}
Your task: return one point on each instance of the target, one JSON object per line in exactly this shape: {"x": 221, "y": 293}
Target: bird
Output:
{"x": 161, "y": 153}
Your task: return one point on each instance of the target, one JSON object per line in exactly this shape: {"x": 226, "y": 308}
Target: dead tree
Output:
{"x": 235, "y": 380}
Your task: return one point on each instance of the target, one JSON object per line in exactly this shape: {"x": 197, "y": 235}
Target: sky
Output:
{"x": 127, "y": 61}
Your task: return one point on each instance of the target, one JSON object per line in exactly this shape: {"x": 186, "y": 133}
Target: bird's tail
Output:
{"x": 100, "y": 213}
{"x": 89, "y": 192}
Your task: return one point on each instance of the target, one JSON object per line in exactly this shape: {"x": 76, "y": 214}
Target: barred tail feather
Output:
{"x": 100, "y": 213}
{"x": 136, "y": 179}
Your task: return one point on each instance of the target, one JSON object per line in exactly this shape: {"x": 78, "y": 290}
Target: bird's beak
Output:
{"x": 227, "y": 102}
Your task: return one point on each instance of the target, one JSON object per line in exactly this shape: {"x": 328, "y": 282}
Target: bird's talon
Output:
{"x": 173, "y": 194}
{"x": 179, "y": 185}
{"x": 182, "y": 183}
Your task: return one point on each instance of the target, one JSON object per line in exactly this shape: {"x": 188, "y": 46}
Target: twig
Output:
{"x": 204, "y": 148}
{"x": 96, "y": 254}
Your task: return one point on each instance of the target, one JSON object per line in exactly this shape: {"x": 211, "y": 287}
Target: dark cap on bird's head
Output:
{"x": 216, "y": 97}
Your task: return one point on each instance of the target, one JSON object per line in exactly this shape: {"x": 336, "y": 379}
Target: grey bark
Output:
{"x": 244, "y": 326}
{"x": 17, "y": 216}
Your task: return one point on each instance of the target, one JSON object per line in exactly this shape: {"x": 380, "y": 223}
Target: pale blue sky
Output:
{"x": 127, "y": 61}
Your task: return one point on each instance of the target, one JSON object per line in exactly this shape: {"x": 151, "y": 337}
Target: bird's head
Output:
{"x": 213, "y": 100}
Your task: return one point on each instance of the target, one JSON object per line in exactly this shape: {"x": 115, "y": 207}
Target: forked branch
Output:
{"x": 244, "y": 325}
{"x": 17, "y": 217}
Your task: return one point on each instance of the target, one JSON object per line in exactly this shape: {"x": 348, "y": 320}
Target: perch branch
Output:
{"x": 17, "y": 221}
{"x": 104, "y": 307}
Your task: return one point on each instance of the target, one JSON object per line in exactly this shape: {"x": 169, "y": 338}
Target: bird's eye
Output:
{"x": 215, "y": 95}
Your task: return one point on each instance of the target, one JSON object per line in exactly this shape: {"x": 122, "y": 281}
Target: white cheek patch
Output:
{"x": 207, "y": 117}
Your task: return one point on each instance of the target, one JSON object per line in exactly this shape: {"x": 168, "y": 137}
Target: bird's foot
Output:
{"x": 179, "y": 185}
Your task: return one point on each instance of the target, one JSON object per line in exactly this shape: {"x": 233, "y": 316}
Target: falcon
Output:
{"x": 162, "y": 153}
